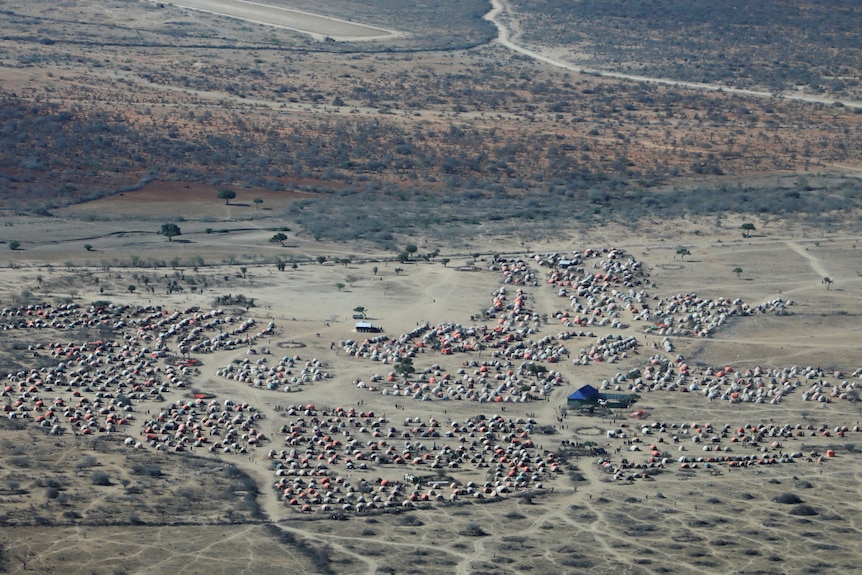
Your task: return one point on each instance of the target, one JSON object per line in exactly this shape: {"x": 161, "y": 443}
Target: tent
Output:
{"x": 586, "y": 394}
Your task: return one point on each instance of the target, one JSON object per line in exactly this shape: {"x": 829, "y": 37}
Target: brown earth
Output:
{"x": 720, "y": 521}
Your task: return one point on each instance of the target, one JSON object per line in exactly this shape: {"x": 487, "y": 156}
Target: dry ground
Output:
{"x": 678, "y": 522}
{"x": 200, "y": 515}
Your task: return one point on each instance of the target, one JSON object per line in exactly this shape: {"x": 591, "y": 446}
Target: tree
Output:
{"x": 340, "y": 286}
{"x": 131, "y": 288}
{"x": 411, "y": 249}
{"x": 747, "y": 228}
{"x": 351, "y": 280}
{"x": 226, "y": 195}
{"x": 280, "y": 265}
{"x": 828, "y": 281}
{"x": 374, "y": 269}
{"x": 321, "y": 259}
{"x": 170, "y": 230}
{"x": 14, "y": 245}
{"x": 279, "y": 237}
{"x": 360, "y": 310}
{"x": 682, "y": 252}
{"x": 257, "y": 202}
{"x": 405, "y": 366}
{"x": 403, "y": 257}
{"x": 88, "y": 247}
{"x": 398, "y": 271}
{"x": 738, "y": 271}
{"x": 445, "y": 262}
{"x": 243, "y": 271}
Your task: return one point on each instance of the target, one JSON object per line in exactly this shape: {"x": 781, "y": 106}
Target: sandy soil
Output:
{"x": 652, "y": 515}
{"x": 319, "y": 27}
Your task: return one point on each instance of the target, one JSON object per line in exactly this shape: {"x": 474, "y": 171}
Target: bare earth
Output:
{"x": 319, "y": 27}
{"x": 667, "y": 517}
{"x": 187, "y": 406}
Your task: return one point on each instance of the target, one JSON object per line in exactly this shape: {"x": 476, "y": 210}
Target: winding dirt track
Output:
{"x": 501, "y": 11}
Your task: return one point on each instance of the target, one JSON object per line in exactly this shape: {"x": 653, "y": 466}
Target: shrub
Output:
{"x": 788, "y": 499}
{"x": 803, "y": 511}
{"x": 100, "y": 478}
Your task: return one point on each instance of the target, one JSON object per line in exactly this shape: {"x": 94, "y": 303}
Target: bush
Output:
{"x": 147, "y": 469}
{"x": 100, "y": 478}
{"x": 788, "y": 499}
{"x": 803, "y": 511}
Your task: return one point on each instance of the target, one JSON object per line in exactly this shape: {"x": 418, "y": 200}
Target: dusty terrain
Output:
{"x": 204, "y": 403}
{"x": 647, "y": 519}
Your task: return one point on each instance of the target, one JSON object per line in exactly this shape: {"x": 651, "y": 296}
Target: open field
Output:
{"x": 318, "y": 27}
{"x": 198, "y": 210}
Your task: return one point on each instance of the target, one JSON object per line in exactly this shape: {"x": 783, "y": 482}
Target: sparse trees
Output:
{"x": 226, "y": 195}
{"x": 170, "y": 230}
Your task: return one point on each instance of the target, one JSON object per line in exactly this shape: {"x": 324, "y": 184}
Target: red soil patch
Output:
{"x": 189, "y": 200}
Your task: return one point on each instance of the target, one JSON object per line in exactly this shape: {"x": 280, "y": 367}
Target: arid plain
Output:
{"x": 741, "y": 454}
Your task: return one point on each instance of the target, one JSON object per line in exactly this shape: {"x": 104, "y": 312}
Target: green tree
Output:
{"x": 682, "y": 252}
{"x": 14, "y": 245}
{"x": 321, "y": 259}
{"x": 738, "y": 271}
{"x": 131, "y": 288}
{"x": 445, "y": 262}
{"x": 170, "y": 230}
{"x": 747, "y": 228}
{"x": 279, "y": 237}
{"x": 340, "y": 286}
{"x": 398, "y": 271}
{"x": 405, "y": 366}
{"x": 411, "y": 249}
{"x": 280, "y": 264}
{"x": 257, "y": 202}
{"x": 88, "y": 247}
{"x": 828, "y": 281}
{"x": 226, "y": 195}
{"x": 360, "y": 310}
{"x": 374, "y": 269}
{"x": 403, "y": 257}
{"x": 243, "y": 271}
{"x": 351, "y": 280}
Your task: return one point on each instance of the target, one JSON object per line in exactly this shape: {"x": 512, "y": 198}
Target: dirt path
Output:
{"x": 501, "y": 12}
{"x": 815, "y": 263}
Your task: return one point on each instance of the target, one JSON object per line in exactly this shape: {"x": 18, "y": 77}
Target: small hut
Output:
{"x": 367, "y": 327}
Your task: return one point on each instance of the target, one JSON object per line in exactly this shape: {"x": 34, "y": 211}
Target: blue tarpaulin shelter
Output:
{"x": 586, "y": 394}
